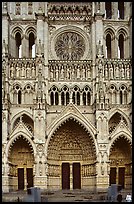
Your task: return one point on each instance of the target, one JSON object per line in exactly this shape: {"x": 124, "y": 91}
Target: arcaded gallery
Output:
{"x": 66, "y": 95}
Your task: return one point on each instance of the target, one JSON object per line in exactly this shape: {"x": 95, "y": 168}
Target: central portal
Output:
{"x": 75, "y": 174}
{"x": 71, "y": 158}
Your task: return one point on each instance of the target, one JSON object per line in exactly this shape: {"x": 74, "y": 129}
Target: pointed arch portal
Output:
{"x": 21, "y": 161}
{"x": 71, "y": 157}
{"x": 121, "y": 163}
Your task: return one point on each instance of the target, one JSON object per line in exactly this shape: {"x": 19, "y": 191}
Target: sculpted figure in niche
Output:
{"x": 122, "y": 71}
{"x": 12, "y": 70}
{"x": 78, "y": 72}
{"x": 23, "y": 70}
{"x": 73, "y": 72}
{"x": 128, "y": 71}
{"x": 17, "y": 71}
{"x": 62, "y": 72}
{"x": 28, "y": 70}
{"x": 68, "y": 72}
{"x": 57, "y": 72}
{"x": 88, "y": 72}
{"x": 111, "y": 75}
{"x": 51, "y": 72}
{"x": 32, "y": 67}
{"x": 106, "y": 71}
{"x": 117, "y": 72}
{"x": 83, "y": 72}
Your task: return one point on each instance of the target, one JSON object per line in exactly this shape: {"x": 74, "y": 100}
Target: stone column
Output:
{"x": 71, "y": 176}
{"x": 25, "y": 178}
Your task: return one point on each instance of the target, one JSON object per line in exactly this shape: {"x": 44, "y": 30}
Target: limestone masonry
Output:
{"x": 66, "y": 95}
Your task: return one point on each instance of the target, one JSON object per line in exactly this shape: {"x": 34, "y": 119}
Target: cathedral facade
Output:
{"x": 66, "y": 95}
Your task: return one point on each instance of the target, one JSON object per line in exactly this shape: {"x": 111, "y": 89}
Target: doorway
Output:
{"x": 121, "y": 176}
{"x": 65, "y": 176}
{"x": 76, "y": 176}
{"x": 112, "y": 175}
{"x": 29, "y": 177}
{"x": 20, "y": 178}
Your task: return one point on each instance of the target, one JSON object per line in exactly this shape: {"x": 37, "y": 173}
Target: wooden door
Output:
{"x": 76, "y": 176}
{"x": 65, "y": 176}
{"x": 112, "y": 175}
{"x": 121, "y": 176}
{"x": 20, "y": 178}
{"x": 29, "y": 177}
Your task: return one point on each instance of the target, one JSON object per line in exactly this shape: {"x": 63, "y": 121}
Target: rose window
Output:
{"x": 70, "y": 46}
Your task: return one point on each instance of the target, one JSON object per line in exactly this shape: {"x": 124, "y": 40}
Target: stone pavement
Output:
{"x": 60, "y": 196}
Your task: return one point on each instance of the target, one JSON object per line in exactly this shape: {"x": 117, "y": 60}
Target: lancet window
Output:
{"x": 86, "y": 96}
{"x": 31, "y": 45}
{"x": 18, "y": 45}
{"x": 123, "y": 95}
{"x": 65, "y": 96}
{"x": 108, "y": 46}
{"x": 121, "y": 46}
{"x": 54, "y": 96}
{"x": 17, "y": 95}
{"x": 76, "y": 95}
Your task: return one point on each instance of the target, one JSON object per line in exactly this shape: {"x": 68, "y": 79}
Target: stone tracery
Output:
{"x": 69, "y": 46}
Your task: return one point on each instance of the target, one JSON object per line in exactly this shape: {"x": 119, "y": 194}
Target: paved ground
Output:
{"x": 60, "y": 196}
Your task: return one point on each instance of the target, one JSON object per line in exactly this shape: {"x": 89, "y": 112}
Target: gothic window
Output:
{"x": 108, "y": 46}
{"x": 86, "y": 96}
{"x": 62, "y": 98}
{"x": 31, "y": 45}
{"x": 76, "y": 95}
{"x": 88, "y": 99}
{"x": 113, "y": 94}
{"x": 54, "y": 96}
{"x": 123, "y": 95}
{"x": 121, "y": 46}
{"x": 108, "y": 9}
{"x": 78, "y": 98}
{"x": 70, "y": 46}
{"x": 65, "y": 96}
{"x": 19, "y": 97}
{"x": 121, "y": 10}
{"x": 18, "y": 45}
{"x": 28, "y": 94}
